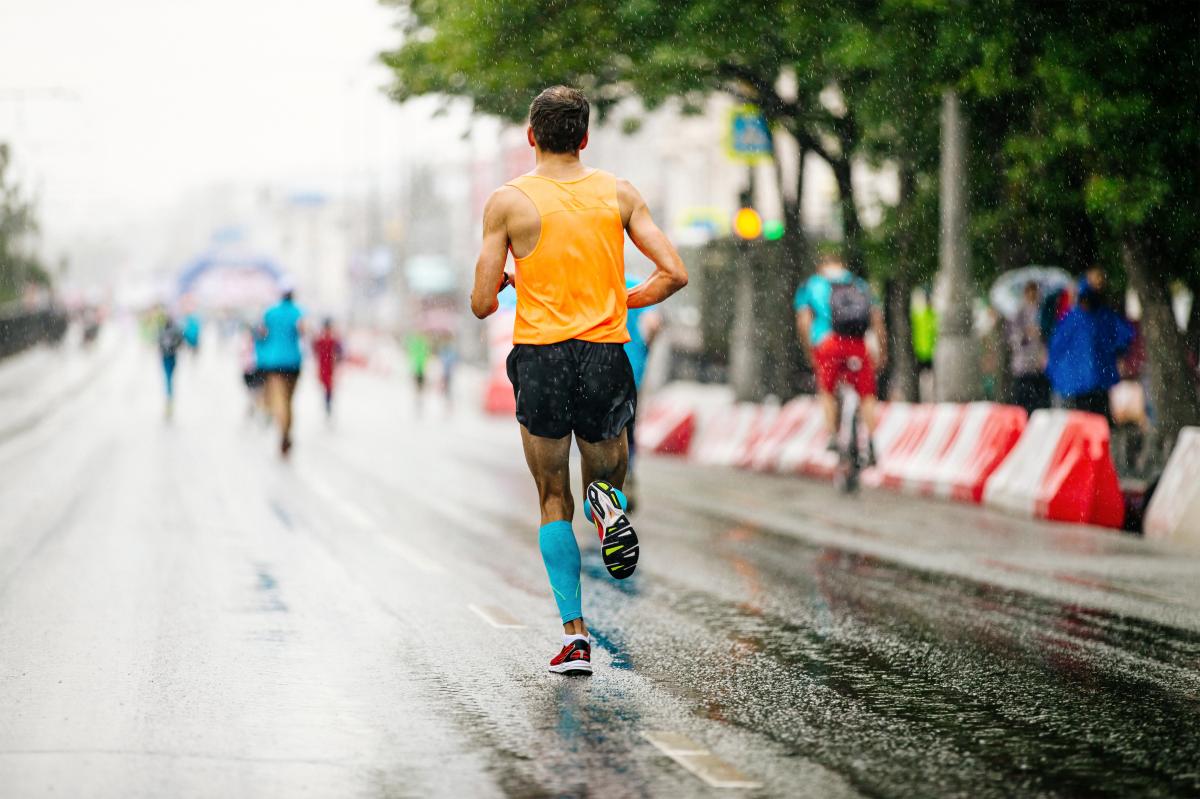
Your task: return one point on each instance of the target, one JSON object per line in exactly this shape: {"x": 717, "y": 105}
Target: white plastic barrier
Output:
{"x": 1174, "y": 511}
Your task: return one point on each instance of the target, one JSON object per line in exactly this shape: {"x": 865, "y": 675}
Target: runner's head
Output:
{"x": 831, "y": 265}
{"x": 558, "y": 121}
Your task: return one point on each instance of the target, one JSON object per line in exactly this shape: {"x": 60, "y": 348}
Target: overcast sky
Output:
{"x": 116, "y": 107}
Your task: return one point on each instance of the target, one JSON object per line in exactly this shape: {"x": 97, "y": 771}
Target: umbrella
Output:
{"x": 1009, "y": 289}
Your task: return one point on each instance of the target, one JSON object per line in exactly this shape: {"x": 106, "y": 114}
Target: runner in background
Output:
{"x": 191, "y": 332}
{"x": 252, "y": 376}
{"x": 448, "y": 358}
{"x": 643, "y": 325}
{"x": 327, "y": 349}
{"x": 418, "y": 360}
{"x": 170, "y": 339}
{"x": 280, "y": 357}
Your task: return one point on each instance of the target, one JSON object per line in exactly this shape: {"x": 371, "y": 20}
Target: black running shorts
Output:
{"x": 573, "y": 386}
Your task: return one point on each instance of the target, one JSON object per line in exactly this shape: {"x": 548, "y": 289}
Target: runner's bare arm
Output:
{"x": 804, "y": 320}
{"x": 489, "y": 269}
{"x": 670, "y": 275}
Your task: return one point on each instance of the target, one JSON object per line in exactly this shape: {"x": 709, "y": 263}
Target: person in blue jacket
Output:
{"x": 1085, "y": 346}
{"x": 643, "y": 325}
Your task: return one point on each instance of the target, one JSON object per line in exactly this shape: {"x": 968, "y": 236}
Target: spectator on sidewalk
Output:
{"x": 924, "y": 340}
{"x": 1084, "y": 349}
{"x": 1030, "y": 387}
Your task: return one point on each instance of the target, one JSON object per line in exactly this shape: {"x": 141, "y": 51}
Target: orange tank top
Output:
{"x": 572, "y": 285}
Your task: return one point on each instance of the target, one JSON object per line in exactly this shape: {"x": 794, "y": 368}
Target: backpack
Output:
{"x": 849, "y": 309}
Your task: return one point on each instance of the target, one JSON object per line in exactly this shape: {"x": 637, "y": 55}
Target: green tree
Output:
{"x": 499, "y": 54}
{"x": 17, "y": 221}
{"x": 1092, "y": 110}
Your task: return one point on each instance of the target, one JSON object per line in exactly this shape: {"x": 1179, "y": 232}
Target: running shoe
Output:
{"x": 575, "y": 658}
{"x": 618, "y": 541}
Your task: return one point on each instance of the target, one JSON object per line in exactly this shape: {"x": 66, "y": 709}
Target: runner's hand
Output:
{"x": 506, "y": 280}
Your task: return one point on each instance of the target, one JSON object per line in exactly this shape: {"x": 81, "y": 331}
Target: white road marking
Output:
{"x": 497, "y": 617}
{"x": 349, "y": 509}
{"x": 415, "y": 558}
{"x": 364, "y": 520}
{"x": 695, "y": 758}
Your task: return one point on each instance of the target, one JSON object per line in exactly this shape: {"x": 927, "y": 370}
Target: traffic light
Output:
{"x": 747, "y": 224}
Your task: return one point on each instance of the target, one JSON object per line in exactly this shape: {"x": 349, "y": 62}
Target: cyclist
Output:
{"x": 565, "y": 225}
{"x": 834, "y": 311}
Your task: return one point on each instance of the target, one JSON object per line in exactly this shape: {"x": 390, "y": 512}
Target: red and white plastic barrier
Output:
{"x": 1060, "y": 469}
{"x": 807, "y": 451}
{"x": 731, "y": 433}
{"x": 1174, "y": 511}
{"x": 1056, "y": 465}
{"x": 498, "y": 392}
{"x": 912, "y": 431}
{"x": 987, "y": 433}
{"x": 668, "y": 421}
{"x": 767, "y": 448}
{"x": 948, "y": 450}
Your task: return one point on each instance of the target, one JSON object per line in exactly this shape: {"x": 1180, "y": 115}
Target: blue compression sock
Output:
{"x": 560, "y": 553}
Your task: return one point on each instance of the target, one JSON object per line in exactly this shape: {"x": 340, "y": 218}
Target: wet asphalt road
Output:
{"x": 181, "y": 614}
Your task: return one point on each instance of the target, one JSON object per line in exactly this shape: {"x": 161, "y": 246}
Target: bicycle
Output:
{"x": 849, "y": 444}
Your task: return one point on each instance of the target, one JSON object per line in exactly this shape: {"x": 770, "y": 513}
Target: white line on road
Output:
{"x": 364, "y": 520}
{"x": 497, "y": 617}
{"x": 349, "y": 509}
{"x": 418, "y": 560}
{"x": 698, "y": 760}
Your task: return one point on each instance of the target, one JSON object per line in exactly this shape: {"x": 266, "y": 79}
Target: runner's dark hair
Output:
{"x": 559, "y": 118}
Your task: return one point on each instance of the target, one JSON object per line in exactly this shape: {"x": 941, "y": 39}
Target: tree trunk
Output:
{"x": 852, "y": 232}
{"x": 902, "y": 361}
{"x": 1172, "y": 384}
{"x": 1193, "y": 323}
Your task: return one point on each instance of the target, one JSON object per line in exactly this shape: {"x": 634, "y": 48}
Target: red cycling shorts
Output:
{"x": 844, "y": 358}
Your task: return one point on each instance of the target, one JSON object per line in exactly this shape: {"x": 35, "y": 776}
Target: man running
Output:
{"x": 565, "y": 226}
{"x": 170, "y": 339}
{"x": 834, "y": 311}
{"x": 279, "y": 358}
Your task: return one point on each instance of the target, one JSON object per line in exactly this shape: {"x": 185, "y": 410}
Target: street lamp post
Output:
{"x": 956, "y": 359}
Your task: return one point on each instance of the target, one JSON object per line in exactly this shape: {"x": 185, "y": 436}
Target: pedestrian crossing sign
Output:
{"x": 749, "y": 136}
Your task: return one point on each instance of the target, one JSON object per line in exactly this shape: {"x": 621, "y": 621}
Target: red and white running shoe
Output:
{"x": 575, "y": 658}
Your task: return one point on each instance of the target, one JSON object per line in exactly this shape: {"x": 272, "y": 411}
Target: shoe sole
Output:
{"x": 572, "y": 667}
{"x": 618, "y": 541}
